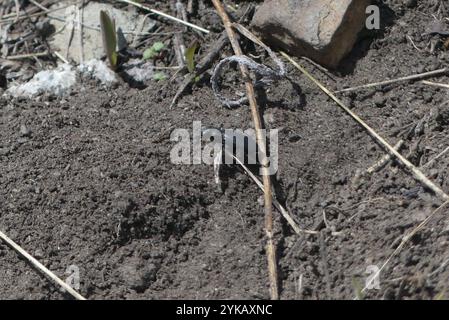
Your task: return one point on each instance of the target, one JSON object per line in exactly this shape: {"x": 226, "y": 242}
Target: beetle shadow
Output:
{"x": 289, "y": 99}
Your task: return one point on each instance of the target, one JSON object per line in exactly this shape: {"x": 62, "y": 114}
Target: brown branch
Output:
{"x": 271, "y": 252}
{"x": 417, "y": 173}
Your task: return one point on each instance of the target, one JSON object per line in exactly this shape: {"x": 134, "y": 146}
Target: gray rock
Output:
{"x": 57, "y": 82}
{"x": 139, "y": 71}
{"x": 98, "y": 70}
{"x": 130, "y": 21}
{"x": 323, "y": 30}
{"x": 25, "y": 131}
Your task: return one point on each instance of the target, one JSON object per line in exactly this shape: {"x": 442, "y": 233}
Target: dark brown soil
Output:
{"x": 91, "y": 184}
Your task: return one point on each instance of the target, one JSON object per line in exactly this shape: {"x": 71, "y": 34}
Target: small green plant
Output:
{"x": 190, "y": 59}
{"x": 439, "y": 296}
{"x": 154, "y": 51}
{"x": 109, "y": 34}
{"x": 159, "y": 76}
{"x": 358, "y": 288}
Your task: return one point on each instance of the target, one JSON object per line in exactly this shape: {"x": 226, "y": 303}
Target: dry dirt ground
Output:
{"x": 91, "y": 184}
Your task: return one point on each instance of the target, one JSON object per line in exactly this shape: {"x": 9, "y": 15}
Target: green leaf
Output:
{"x": 149, "y": 54}
{"x": 159, "y": 76}
{"x": 358, "y": 288}
{"x": 190, "y": 57}
{"x": 158, "y": 46}
{"x": 109, "y": 38}
{"x": 439, "y": 296}
{"x": 154, "y": 51}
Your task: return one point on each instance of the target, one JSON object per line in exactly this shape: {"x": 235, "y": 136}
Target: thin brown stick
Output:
{"x": 271, "y": 252}
{"x": 81, "y": 33}
{"x": 180, "y": 48}
{"x": 40, "y": 6}
{"x": 26, "y": 12}
{"x": 436, "y": 158}
{"x": 30, "y": 13}
{"x": 408, "y": 78}
{"x": 436, "y": 84}
{"x": 27, "y": 56}
{"x": 404, "y": 242}
{"x": 413, "y": 43}
{"x": 384, "y": 160}
{"x": 33, "y": 15}
{"x": 58, "y": 55}
{"x": 419, "y": 176}
{"x": 17, "y": 9}
{"x": 162, "y": 14}
{"x": 276, "y": 203}
{"x": 40, "y": 266}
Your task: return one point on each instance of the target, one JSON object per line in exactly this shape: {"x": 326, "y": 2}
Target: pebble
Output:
{"x": 38, "y": 254}
{"x": 379, "y": 101}
{"x": 25, "y": 131}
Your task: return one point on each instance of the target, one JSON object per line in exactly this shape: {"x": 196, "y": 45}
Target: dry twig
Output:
{"x": 387, "y": 82}
{"x": 58, "y": 55}
{"x": 403, "y": 243}
{"x": 384, "y": 160}
{"x": 276, "y": 203}
{"x": 17, "y": 9}
{"x": 271, "y": 252}
{"x": 180, "y": 48}
{"x": 27, "y": 56}
{"x": 80, "y": 26}
{"x": 436, "y": 84}
{"x": 40, "y": 267}
{"x": 419, "y": 176}
{"x": 33, "y": 15}
{"x": 436, "y": 158}
{"x": 162, "y": 14}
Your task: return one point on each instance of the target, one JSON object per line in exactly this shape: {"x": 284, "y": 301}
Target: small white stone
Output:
{"x": 57, "y": 81}
{"x": 98, "y": 70}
